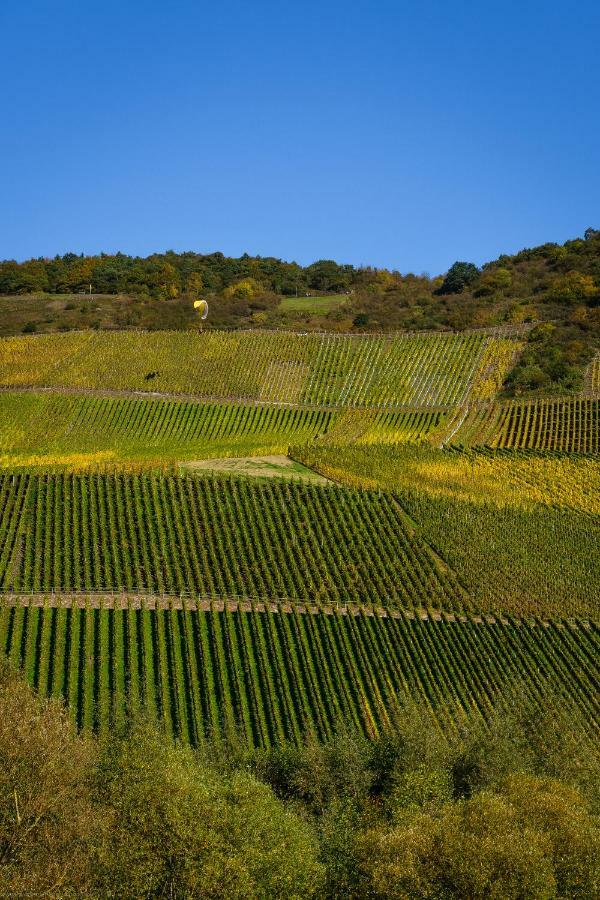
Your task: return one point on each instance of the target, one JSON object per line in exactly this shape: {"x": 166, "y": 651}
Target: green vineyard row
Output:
{"x": 566, "y": 424}
{"x": 215, "y": 536}
{"x": 331, "y": 370}
{"x": 271, "y": 678}
{"x": 48, "y": 428}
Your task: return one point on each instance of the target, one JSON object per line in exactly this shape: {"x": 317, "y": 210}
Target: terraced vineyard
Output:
{"x": 50, "y": 428}
{"x": 83, "y": 431}
{"x": 214, "y": 536}
{"x": 324, "y": 370}
{"x": 273, "y": 678}
{"x": 571, "y": 425}
{"x": 91, "y": 500}
{"x": 568, "y": 424}
{"x": 520, "y": 530}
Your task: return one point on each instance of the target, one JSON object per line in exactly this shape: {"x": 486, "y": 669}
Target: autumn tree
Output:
{"x": 194, "y": 285}
{"x": 49, "y": 824}
{"x": 180, "y": 829}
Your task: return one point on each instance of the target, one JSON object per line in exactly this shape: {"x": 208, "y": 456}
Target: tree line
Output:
{"x": 168, "y": 275}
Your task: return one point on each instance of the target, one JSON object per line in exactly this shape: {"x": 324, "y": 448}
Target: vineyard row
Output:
{"x": 331, "y": 370}
{"x": 271, "y": 678}
{"x": 215, "y": 536}
{"x": 567, "y": 424}
{"x": 53, "y": 423}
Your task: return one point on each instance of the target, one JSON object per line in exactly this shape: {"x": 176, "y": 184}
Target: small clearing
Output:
{"x": 312, "y": 305}
{"x": 274, "y": 466}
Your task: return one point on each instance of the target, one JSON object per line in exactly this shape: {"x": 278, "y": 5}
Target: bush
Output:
{"x": 180, "y": 829}
{"x": 533, "y": 838}
{"x": 49, "y": 825}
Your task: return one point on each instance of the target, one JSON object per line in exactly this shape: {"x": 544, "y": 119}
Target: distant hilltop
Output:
{"x": 557, "y": 285}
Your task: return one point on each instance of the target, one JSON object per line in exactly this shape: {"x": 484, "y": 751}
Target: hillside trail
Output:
{"x": 69, "y": 390}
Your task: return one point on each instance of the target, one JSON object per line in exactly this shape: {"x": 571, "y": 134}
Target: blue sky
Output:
{"x": 394, "y": 134}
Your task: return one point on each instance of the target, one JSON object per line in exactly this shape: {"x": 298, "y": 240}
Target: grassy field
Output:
{"x": 273, "y": 466}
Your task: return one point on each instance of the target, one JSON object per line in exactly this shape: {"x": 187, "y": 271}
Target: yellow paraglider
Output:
{"x": 202, "y": 307}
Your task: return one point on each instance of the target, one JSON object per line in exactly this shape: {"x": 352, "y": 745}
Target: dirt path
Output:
{"x": 118, "y": 600}
{"x": 67, "y": 390}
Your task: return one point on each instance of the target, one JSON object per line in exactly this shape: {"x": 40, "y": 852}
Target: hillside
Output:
{"x": 341, "y": 567}
{"x": 295, "y": 555}
{"x": 556, "y": 285}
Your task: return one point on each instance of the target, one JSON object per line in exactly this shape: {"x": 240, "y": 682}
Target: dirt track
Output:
{"x": 202, "y": 398}
{"x": 117, "y": 600}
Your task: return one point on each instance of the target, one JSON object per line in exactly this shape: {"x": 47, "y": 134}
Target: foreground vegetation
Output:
{"x": 508, "y": 812}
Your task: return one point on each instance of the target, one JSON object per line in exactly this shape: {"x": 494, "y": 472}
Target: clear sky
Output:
{"x": 382, "y": 132}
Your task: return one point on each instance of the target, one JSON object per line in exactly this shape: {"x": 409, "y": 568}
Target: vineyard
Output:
{"x": 526, "y": 561}
{"x": 82, "y": 430}
{"x": 506, "y": 478}
{"x": 55, "y": 429}
{"x": 384, "y": 371}
{"x": 50, "y": 429}
{"x": 450, "y": 557}
{"x": 271, "y": 678}
{"x": 570, "y": 425}
{"x": 521, "y": 531}
{"x": 215, "y": 536}
{"x": 366, "y": 426}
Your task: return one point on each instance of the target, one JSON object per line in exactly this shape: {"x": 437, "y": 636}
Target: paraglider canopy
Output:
{"x": 202, "y": 307}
